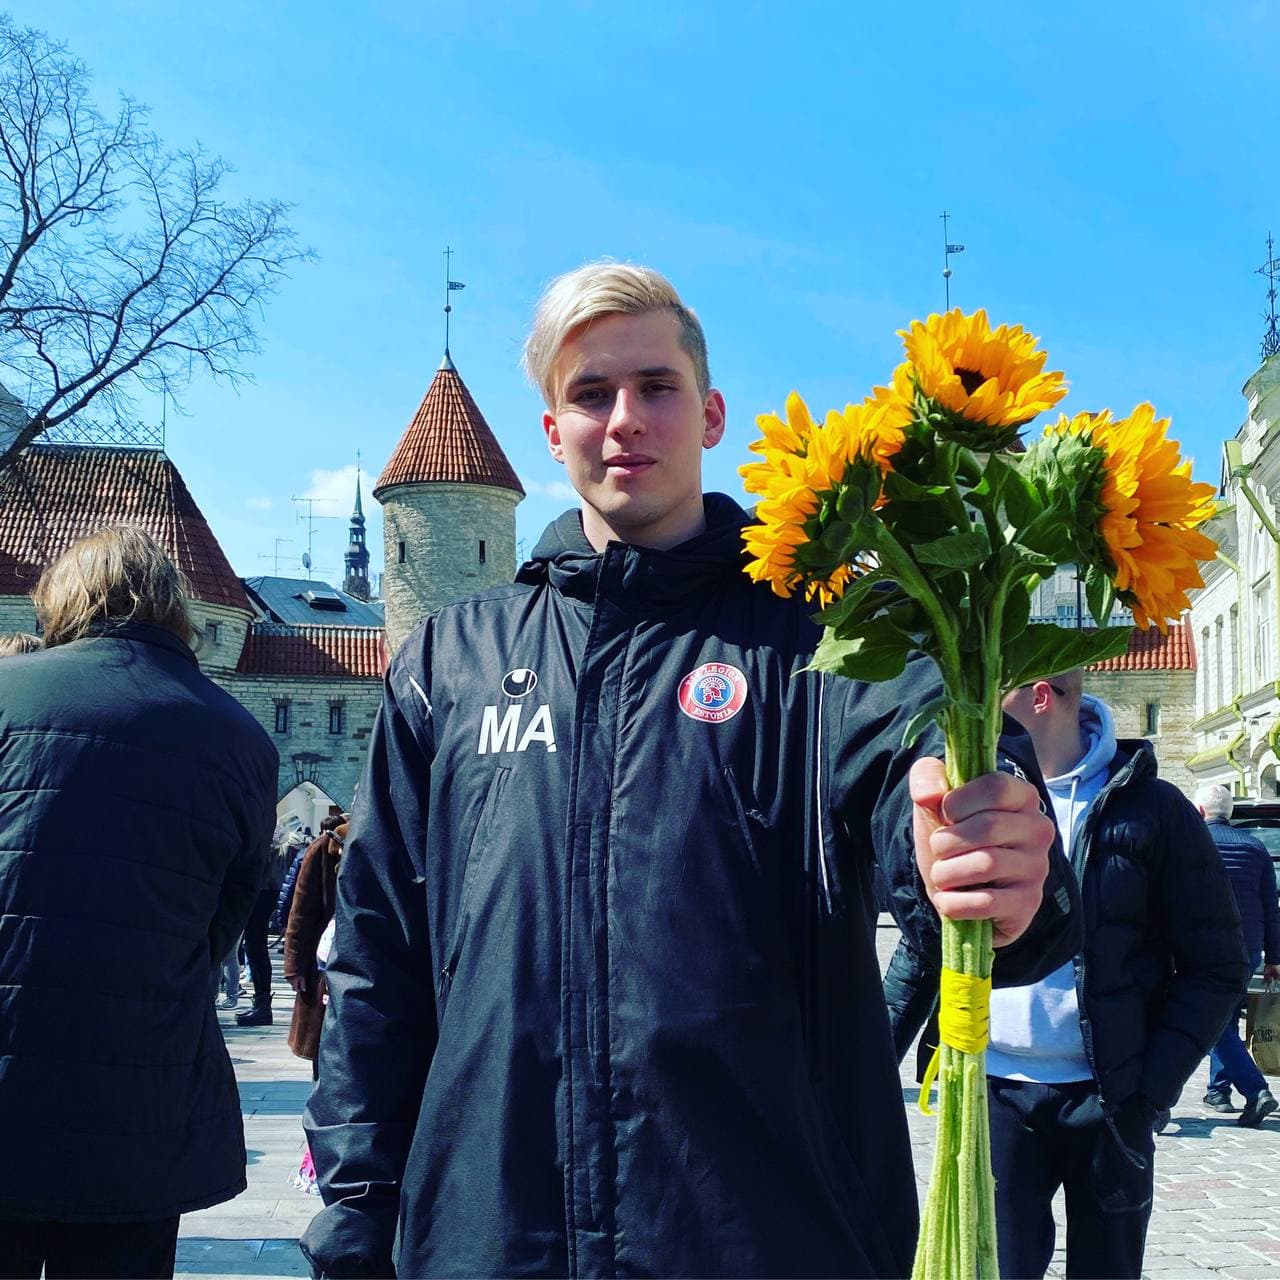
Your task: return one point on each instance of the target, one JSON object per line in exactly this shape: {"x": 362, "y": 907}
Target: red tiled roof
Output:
{"x": 314, "y": 651}
{"x": 1150, "y": 651}
{"x": 51, "y": 495}
{"x": 448, "y": 439}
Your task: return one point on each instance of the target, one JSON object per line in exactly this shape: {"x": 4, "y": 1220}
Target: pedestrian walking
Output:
{"x": 313, "y": 906}
{"x": 256, "y": 947}
{"x": 604, "y": 994}
{"x": 1253, "y": 883}
{"x": 118, "y": 1104}
{"x": 1082, "y": 1065}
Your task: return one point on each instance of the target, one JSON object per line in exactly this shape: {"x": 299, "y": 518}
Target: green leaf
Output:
{"x": 1045, "y": 650}
{"x": 869, "y": 593}
{"x": 956, "y": 551}
{"x": 1022, "y": 502}
{"x": 1017, "y": 613}
{"x": 931, "y": 711}
{"x": 1100, "y": 593}
{"x": 878, "y": 653}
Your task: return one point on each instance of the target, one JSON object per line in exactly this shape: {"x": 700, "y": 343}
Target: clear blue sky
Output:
{"x": 1112, "y": 169}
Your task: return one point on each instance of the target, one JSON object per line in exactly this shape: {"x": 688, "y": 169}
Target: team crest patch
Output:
{"x": 715, "y": 692}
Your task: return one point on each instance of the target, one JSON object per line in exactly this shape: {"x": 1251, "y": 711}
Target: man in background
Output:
{"x": 1253, "y": 882}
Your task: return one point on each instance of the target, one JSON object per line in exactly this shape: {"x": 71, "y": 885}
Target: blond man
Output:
{"x": 604, "y": 991}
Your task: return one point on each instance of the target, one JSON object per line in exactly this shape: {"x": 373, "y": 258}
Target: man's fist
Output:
{"x": 982, "y": 849}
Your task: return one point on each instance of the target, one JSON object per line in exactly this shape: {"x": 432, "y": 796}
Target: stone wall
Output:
{"x": 220, "y": 637}
{"x": 440, "y": 528}
{"x": 333, "y": 761}
{"x": 1129, "y": 694}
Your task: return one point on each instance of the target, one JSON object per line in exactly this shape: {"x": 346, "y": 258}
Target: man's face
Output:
{"x": 629, "y": 424}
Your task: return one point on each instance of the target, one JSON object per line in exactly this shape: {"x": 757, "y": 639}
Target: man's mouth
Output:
{"x": 628, "y": 463}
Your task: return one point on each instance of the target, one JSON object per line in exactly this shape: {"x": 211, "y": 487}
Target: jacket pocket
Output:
{"x": 475, "y": 856}
{"x": 749, "y": 819}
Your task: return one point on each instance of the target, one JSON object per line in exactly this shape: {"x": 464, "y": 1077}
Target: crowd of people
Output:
{"x": 605, "y": 1002}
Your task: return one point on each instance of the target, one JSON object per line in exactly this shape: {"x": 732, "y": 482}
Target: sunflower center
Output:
{"x": 969, "y": 380}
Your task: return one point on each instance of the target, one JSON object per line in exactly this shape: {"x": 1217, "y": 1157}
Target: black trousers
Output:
{"x": 73, "y": 1250}
{"x": 255, "y": 946}
{"x": 1046, "y": 1136}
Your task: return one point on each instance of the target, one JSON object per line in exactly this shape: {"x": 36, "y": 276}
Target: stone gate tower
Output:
{"x": 449, "y": 500}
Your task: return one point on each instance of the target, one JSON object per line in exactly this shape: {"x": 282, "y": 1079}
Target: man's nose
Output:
{"x": 625, "y": 418}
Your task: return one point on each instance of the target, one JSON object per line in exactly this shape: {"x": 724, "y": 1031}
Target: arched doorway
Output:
{"x": 304, "y": 806}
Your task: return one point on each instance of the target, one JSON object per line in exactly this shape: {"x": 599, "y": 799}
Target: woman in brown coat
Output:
{"x": 314, "y": 900}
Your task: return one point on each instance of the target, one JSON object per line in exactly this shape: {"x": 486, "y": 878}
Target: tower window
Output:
{"x": 335, "y": 717}
{"x": 400, "y": 552}
{"x": 282, "y": 717}
{"x": 1153, "y": 718}
{"x": 482, "y": 551}
{"x": 213, "y": 632}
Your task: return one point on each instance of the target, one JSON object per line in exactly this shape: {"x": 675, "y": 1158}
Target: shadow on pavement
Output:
{"x": 211, "y": 1256}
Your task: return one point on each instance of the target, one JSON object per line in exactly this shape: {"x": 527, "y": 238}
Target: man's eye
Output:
{"x": 590, "y": 395}
{"x": 658, "y": 388}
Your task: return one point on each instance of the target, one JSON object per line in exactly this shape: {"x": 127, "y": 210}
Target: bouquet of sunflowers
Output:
{"x": 918, "y": 521}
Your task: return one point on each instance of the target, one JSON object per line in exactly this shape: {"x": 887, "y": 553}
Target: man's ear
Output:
{"x": 553, "y": 436}
{"x": 713, "y": 416}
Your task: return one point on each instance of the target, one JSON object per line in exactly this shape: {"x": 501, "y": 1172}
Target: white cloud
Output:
{"x": 259, "y": 504}
{"x": 561, "y": 490}
{"x": 334, "y": 491}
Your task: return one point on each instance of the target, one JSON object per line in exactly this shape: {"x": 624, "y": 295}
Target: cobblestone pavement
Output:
{"x": 1217, "y": 1210}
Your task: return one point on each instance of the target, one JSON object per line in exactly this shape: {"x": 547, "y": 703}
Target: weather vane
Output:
{"x": 947, "y": 250}
{"x": 450, "y": 284}
{"x": 1270, "y": 269}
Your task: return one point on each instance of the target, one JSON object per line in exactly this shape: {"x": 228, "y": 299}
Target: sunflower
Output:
{"x": 804, "y": 469}
{"x": 987, "y": 383}
{"x": 1146, "y": 539}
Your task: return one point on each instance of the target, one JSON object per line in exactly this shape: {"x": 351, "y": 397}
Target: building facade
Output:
{"x": 1234, "y": 617}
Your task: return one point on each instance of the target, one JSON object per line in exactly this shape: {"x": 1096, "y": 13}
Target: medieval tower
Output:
{"x": 449, "y": 498}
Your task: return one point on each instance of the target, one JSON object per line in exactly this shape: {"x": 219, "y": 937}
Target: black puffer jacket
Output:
{"x": 604, "y": 991}
{"x": 1163, "y": 963}
{"x": 137, "y": 801}
{"x": 1253, "y": 881}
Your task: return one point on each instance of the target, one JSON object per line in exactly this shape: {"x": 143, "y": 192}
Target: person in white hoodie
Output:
{"x": 1083, "y": 1065}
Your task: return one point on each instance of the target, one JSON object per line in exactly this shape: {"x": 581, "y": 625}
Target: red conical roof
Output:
{"x": 51, "y": 495}
{"x": 448, "y": 440}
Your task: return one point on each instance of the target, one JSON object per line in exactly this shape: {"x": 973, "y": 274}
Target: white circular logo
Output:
{"x": 713, "y": 693}
{"x": 519, "y": 683}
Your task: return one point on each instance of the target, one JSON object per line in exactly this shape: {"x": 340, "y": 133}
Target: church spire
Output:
{"x": 356, "y": 583}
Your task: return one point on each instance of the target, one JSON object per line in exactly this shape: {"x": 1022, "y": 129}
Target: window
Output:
{"x": 400, "y": 553}
{"x": 1262, "y": 630}
{"x": 212, "y": 630}
{"x": 282, "y": 717}
{"x": 335, "y": 717}
{"x": 1153, "y": 719}
{"x": 1206, "y": 707}
{"x": 1220, "y": 697}
{"x": 482, "y": 551}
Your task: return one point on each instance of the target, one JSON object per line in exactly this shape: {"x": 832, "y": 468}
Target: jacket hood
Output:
{"x": 1099, "y": 732}
{"x": 568, "y": 562}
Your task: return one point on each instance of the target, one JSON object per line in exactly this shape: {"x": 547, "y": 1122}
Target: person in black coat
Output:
{"x": 1253, "y": 883}
{"x": 118, "y": 1103}
{"x": 1083, "y": 1064}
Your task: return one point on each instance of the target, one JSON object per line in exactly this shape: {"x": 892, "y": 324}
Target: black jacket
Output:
{"x": 605, "y": 998}
{"x": 137, "y": 801}
{"x": 1253, "y": 882}
{"x": 1163, "y": 963}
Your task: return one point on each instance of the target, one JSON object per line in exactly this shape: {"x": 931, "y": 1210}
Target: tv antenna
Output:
{"x": 947, "y": 250}
{"x": 274, "y": 556}
{"x": 1271, "y": 270}
{"x": 311, "y": 526}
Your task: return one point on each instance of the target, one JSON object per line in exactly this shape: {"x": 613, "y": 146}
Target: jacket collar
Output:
{"x": 144, "y": 633}
{"x": 639, "y": 576}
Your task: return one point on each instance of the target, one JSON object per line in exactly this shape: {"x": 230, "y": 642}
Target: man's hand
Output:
{"x": 982, "y": 849}
{"x": 298, "y": 981}
{"x": 1271, "y": 973}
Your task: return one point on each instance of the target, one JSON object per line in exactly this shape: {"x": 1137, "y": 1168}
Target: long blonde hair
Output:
{"x": 118, "y": 574}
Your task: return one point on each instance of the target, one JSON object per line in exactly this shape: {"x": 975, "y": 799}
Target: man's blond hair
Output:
{"x": 15, "y": 643}
{"x": 118, "y": 574}
{"x": 606, "y": 289}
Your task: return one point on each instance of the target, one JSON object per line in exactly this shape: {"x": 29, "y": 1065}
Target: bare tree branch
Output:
{"x": 122, "y": 268}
